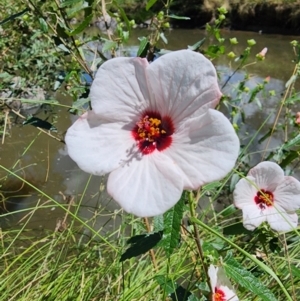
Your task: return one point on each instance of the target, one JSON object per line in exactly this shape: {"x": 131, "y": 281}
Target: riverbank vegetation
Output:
{"x": 55, "y": 48}
{"x": 252, "y": 15}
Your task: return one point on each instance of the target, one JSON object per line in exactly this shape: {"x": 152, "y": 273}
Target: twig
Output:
{"x": 42, "y": 130}
{"x": 5, "y": 123}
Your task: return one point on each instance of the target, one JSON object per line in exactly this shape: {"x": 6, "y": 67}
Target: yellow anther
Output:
{"x": 155, "y": 121}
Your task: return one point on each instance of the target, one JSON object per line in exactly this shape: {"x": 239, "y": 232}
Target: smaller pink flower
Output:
{"x": 298, "y": 118}
{"x": 262, "y": 54}
{"x": 221, "y": 286}
{"x": 267, "y": 195}
{"x": 267, "y": 79}
{"x": 264, "y": 51}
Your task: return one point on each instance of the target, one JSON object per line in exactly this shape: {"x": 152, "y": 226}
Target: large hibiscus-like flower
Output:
{"x": 221, "y": 286}
{"x": 153, "y": 129}
{"x": 267, "y": 195}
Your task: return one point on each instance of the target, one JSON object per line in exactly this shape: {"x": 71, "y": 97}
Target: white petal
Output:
{"x": 146, "y": 187}
{"x": 230, "y": 295}
{"x": 116, "y": 93}
{"x": 99, "y": 148}
{"x": 244, "y": 192}
{"x": 267, "y": 175}
{"x": 205, "y": 149}
{"x": 279, "y": 220}
{"x": 287, "y": 194}
{"x": 212, "y": 273}
{"x": 253, "y": 216}
{"x": 184, "y": 84}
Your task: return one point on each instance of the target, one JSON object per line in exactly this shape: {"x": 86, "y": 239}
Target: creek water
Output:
{"x": 44, "y": 162}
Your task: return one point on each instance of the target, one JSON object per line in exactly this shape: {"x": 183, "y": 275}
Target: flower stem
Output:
{"x": 197, "y": 238}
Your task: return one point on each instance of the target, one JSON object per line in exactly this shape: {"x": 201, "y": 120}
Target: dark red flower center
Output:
{"x": 264, "y": 199}
{"x": 153, "y": 132}
{"x": 219, "y": 295}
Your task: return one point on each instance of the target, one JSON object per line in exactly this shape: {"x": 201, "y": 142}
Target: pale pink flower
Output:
{"x": 264, "y": 51}
{"x": 221, "y": 286}
{"x": 262, "y": 54}
{"x": 153, "y": 129}
{"x": 267, "y": 195}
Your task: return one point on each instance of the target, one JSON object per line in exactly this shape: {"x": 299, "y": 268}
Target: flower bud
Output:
{"x": 233, "y": 41}
{"x": 251, "y": 42}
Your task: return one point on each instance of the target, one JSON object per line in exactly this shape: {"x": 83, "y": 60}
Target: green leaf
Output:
{"x": 82, "y": 26}
{"x": 295, "y": 271}
{"x": 150, "y": 3}
{"x": 143, "y": 48}
{"x": 228, "y": 211}
{"x": 158, "y": 223}
{"x": 79, "y": 105}
{"x": 140, "y": 244}
{"x": 289, "y": 158}
{"x": 258, "y": 103}
{"x": 69, "y": 3}
{"x": 109, "y": 45}
{"x": 215, "y": 50}
{"x": 80, "y": 7}
{"x": 234, "y": 179}
{"x": 211, "y": 186}
{"x": 295, "y": 141}
{"x": 43, "y": 24}
{"x": 123, "y": 15}
{"x": 172, "y": 222}
{"x": 194, "y": 298}
{"x": 125, "y": 35}
{"x": 246, "y": 279}
{"x": 197, "y": 45}
{"x": 264, "y": 137}
{"x": 165, "y": 283}
{"x": 178, "y": 17}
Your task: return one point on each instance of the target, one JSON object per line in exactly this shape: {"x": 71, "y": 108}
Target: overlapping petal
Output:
{"x": 205, "y": 149}
{"x": 280, "y": 220}
{"x": 230, "y": 295}
{"x": 244, "y": 191}
{"x": 267, "y": 175}
{"x": 287, "y": 194}
{"x": 212, "y": 273}
{"x": 117, "y": 93}
{"x": 146, "y": 187}
{"x": 253, "y": 216}
{"x": 219, "y": 281}
{"x": 99, "y": 148}
{"x": 184, "y": 84}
